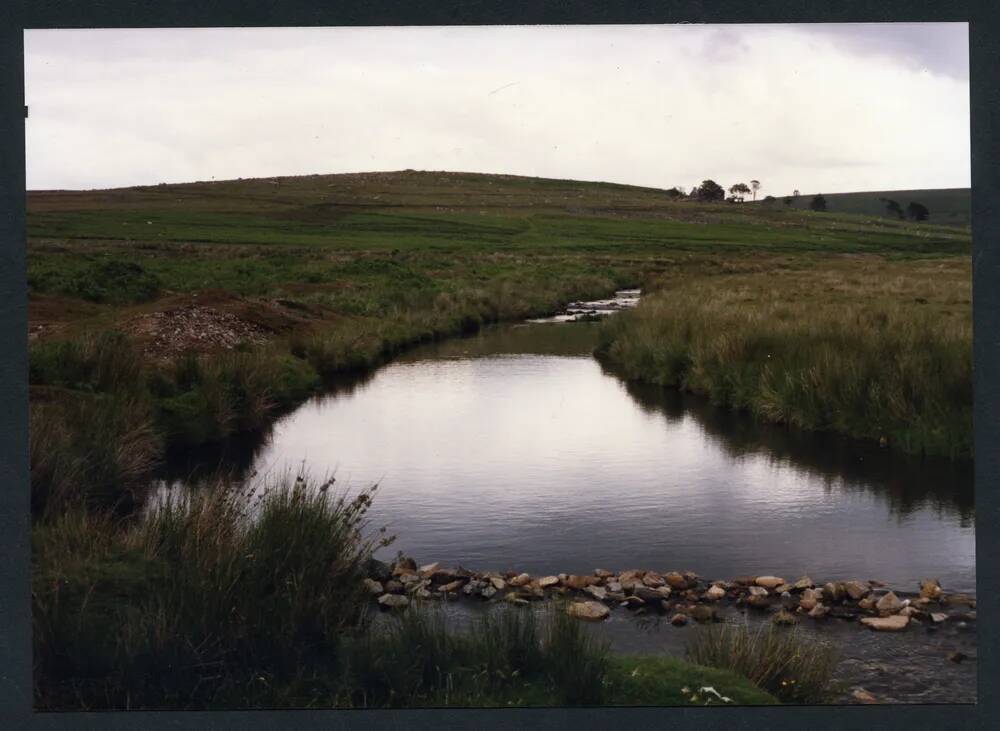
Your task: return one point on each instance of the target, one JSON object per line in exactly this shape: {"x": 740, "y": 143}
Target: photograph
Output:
{"x": 494, "y": 366}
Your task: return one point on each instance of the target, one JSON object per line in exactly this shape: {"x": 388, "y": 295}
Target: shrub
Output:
{"x": 782, "y": 661}
{"x": 113, "y": 281}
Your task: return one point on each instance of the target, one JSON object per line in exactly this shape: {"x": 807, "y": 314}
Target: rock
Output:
{"x": 757, "y": 591}
{"x": 533, "y": 590}
{"x": 957, "y": 657}
{"x": 409, "y": 578}
{"x": 427, "y": 570}
{"x": 416, "y": 586}
{"x": 422, "y": 593}
{"x": 744, "y": 580}
{"x": 603, "y": 573}
{"x": 404, "y": 566}
{"x": 819, "y": 611}
{"x": 520, "y": 580}
{"x": 488, "y": 591}
{"x": 938, "y": 617}
{"x": 393, "y": 601}
{"x": 630, "y": 575}
{"x": 378, "y": 570}
{"x": 513, "y": 598}
{"x": 769, "y": 582}
{"x": 653, "y": 579}
{"x": 615, "y": 596}
{"x": 374, "y": 587}
{"x": 863, "y": 696}
{"x": 547, "y": 581}
{"x": 690, "y": 577}
{"x": 651, "y": 595}
{"x": 954, "y": 599}
{"x": 472, "y": 587}
{"x": 886, "y": 624}
{"x": 701, "y": 613}
{"x": 443, "y": 576}
{"x": 614, "y": 586}
{"x": 867, "y": 603}
{"x": 888, "y": 604}
{"x": 856, "y": 589}
{"x": 832, "y": 591}
{"x": 784, "y": 618}
{"x": 931, "y": 589}
{"x": 452, "y": 585}
{"x": 498, "y": 583}
{"x": 759, "y": 601}
{"x": 802, "y": 584}
{"x": 714, "y": 593}
{"x": 593, "y": 611}
{"x": 909, "y": 611}
{"x": 393, "y": 587}
{"x": 675, "y": 580}
{"x": 679, "y": 620}
{"x": 633, "y": 602}
{"x": 580, "y": 582}
{"x": 783, "y": 589}
{"x": 598, "y": 592}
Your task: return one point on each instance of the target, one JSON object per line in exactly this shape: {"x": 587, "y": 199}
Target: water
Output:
{"x": 515, "y": 449}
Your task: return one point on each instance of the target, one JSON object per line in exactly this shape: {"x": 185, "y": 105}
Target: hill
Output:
{"x": 947, "y": 206}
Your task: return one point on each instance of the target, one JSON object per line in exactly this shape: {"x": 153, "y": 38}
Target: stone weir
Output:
{"x": 681, "y": 595}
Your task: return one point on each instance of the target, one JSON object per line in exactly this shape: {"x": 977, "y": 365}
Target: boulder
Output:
{"x": 889, "y": 604}
{"x": 614, "y": 586}
{"x": 547, "y": 581}
{"x": 520, "y": 580}
{"x": 757, "y": 591}
{"x": 954, "y": 599}
{"x": 580, "y": 582}
{"x": 931, "y": 589}
{"x": 856, "y": 589}
{"x": 758, "y": 601}
{"x": 393, "y": 587}
{"x": 863, "y": 696}
{"x": 653, "y": 579}
{"x": 452, "y": 585}
{"x": 633, "y": 602}
{"x": 938, "y": 617}
{"x": 593, "y": 611}
{"x": 488, "y": 591}
{"x": 714, "y": 593}
{"x": 472, "y": 587}
{"x": 603, "y": 573}
{"x": 868, "y": 603}
{"x": 422, "y": 593}
{"x": 802, "y": 584}
{"x": 409, "y": 578}
{"x": 427, "y": 570}
{"x": 498, "y": 583}
{"x": 832, "y": 591}
{"x": 783, "y": 589}
{"x": 374, "y": 587}
{"x": 404, "y": 566}
{"x": 417, "y": 586}
{"x": 651, "y": 595}
{"x": 886, "y": 624}
{"x": 819, "y": 611}
{"x": 513, "y": 598}
{"x": 378, "y": 570}
{"x": 393, "y": 601}
{"x": 675, "y": 580}
{"x": 598, "y": 592}
{"x": 769, "y": 582}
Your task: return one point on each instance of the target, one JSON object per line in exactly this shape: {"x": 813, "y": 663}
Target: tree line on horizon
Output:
{"x": 711, "y": 192}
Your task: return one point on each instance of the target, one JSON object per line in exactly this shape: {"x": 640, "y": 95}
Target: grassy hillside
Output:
{"x": 947, "y": 206}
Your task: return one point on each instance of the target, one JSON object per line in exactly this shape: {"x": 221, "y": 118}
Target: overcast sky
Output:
{"x": 821, "y": 108}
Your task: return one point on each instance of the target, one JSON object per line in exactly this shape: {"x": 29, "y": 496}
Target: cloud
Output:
{"x": 650, "y": 105}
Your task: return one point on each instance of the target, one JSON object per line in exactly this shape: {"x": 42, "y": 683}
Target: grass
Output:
{"x": 245, "y": 597}
{"x": 781, "y": 661}
{"x": 879, "y": 350}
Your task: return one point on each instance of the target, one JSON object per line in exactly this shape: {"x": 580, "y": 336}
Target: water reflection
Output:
{"x": 515, "y": 449}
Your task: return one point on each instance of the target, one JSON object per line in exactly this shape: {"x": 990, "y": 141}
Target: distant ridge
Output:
{"x": 947, "y": 206}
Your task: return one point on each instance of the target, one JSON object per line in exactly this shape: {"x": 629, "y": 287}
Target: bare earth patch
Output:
{"x": 198, "y": 328}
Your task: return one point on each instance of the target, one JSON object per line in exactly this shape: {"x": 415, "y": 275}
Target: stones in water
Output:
{"x": 393, "y": 601}
{"x": 498, "y": 583}
{"x": 769, "y": 582}
{"x": 427, "y": 570}
{"x": 819, "y": 611}
{"x": 373, "y": 587}
{"x": 889, "y": 604}
{"x": 810, "y": 598}
{"x": 863, "y": 696}
{"x": 598, "y": 592}
{"x": 451, "y": 586}
{"x": 488, "y": 591}
{"x": 715, "y": 592}
{"x": 393, "y": 587}
{"x": 931, "y": 589}
{"x": 938, "y": 617}
{"x": 591, "y": 611}
{"x": 679, "y": 620}
{"x": 894, "y": 623}
{"x": 513, "y": 598}
{"x": 580, "y": 582}
{"x": 802, "y": 584}
{"x": 547, "y": 581}
{"x": 520, "y": 580}
{"x": 856, "y": 589}
{"x": 653, "y": 579}
{"x": 676, "y": 580}
{"x": 833, "y": 591}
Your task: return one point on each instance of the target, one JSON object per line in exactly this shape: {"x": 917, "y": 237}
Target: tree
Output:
{"x": 818, "y": 203}
{"x": 755, "y": 186}
{"x": 769, "y": 199}
{"x": 738, "y": 191}
{"x": 675, "y": 193}
{"x": 892, "y": 207}
{"x": 709, "y": 190}
{"x": 917, "y": 211}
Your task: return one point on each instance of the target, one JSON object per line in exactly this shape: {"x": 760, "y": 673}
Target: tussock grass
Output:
{"x": 196, "y": 604}
{"x": 784, "y": 662}
{"x": 871, "y": 349}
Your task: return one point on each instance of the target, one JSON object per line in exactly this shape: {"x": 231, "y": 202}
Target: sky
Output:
{"x": 819, "y": 108}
